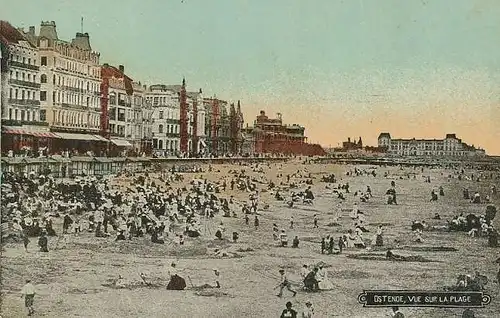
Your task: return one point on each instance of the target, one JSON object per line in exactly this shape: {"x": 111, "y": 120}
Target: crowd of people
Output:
{"x": 162, "y": 207}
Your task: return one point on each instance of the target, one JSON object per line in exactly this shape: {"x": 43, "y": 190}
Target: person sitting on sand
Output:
{"x": 43, "y": 242}
{"x": 418, "y": 236}
{"x": 157, "y": 237}
{"x": 311, "y": 282}
{"x": 120, "y": 236}
{"x": 323, "y": 282}
{"x": 434, "y": 196}
{"x": 476, "y": 198}
{"x": 295, "y": 242}
{"x": 390, "y": 255}
{"x": 176, "y": 282}
{"x": 283, "y": 238}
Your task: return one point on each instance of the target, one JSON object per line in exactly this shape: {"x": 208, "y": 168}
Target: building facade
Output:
{"x": 217, "y": 126}
{"x": 70, "y": 78}
{"x": 173, "y": 135}
{"x": 450, "y": 146}
{"x": 164, "y": 100}
{"x": 21, "y": 85}
{"x": 223, "y": 126}
{"x": 23, "y": 124}
{"x": 271, "y": 136}
{"x": 126, "y": 116}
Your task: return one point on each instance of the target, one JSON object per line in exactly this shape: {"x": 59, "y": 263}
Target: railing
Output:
{"x": 24, "y": 102}
{"x": 24, "y": 83}
{"x": 12, "y": 122}
{"x": 24, "y": 65}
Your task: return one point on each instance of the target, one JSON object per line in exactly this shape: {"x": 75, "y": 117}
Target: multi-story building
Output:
{"x": 450, "y": 146}
{"x": 271, "y": 136}
{"x": 23, "y": 125}
{"x": 223, "y": 127}
{"x": 167, "y": 102}
{"x": 22, "y": 85}
{"x": 164, "y": 100}
{"x": 141, "y": 124}
{"x": 127, "y": 117}
{"x": 119, "y": 104}
{"x": 196, "y": 123}
{"x": 70, "y": 77}
{"x": 217, "y": 126}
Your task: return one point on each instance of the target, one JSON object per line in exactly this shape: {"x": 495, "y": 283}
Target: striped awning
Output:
{"x": 100, "y": 138}
{"x": 83, "y": 137}
{"x": 27, "y": 132}
{"x": 121, "y": 143}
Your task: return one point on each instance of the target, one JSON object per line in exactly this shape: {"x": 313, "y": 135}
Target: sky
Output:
{"x": 341, "y": 68}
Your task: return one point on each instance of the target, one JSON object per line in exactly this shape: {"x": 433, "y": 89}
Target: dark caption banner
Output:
{"x": 422, "y": 298}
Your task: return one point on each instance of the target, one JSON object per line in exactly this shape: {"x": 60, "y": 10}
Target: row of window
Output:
{"x": 26, "y": 115}
{"x": 163, "y": 100}
{"x": 23, "y": 76}
{"x": 22, "y": 94}
{"x": 24, "y": 60}
{"x": 73, "y": 82}
{"x": 117, "y": 129}
{"x": 168, "y": 144}
{"x": 122, "y": 114}
{"x": 65, "y": 97}
{"x": 171, "y": 129}
{"x": 71, "y": 66}
{"x": 76, "y": 119}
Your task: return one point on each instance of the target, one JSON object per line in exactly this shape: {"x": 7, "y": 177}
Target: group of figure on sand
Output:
{"x": 313, "y": 280}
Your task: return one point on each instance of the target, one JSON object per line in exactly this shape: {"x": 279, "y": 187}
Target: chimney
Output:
{"x": 122, "y": 68}
{"x": 32, "y": 30}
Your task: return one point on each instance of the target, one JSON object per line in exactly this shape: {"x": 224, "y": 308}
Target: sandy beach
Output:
{"x": 71, "y": 278}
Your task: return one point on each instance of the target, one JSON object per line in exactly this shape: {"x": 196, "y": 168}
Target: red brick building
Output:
{"x": 270, "y": 135}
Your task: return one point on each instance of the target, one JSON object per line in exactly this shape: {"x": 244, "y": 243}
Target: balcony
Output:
{"x": 117, "y": 135}
{"x": 24, "y": 83}
{"x": 24, "y": 102}
{"x": 12, "y": 122}
{"x": 23, "y": 65}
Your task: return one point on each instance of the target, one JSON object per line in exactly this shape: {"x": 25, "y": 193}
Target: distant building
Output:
{"x": 351, "y": 145}
{"x": 271, "y": 136}
{"x": 450, "y": 146}
{"x": 128, "y": 120}
{"x": 70, "y": 77}
{"x": 168, "y": 129}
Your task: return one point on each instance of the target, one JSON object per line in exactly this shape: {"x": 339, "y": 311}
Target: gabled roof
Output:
{"x": 386, "y": 135}
{"x": 108, "y": 71}
{"x": 10, "y": 34}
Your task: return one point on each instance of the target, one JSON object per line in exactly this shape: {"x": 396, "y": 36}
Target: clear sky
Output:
{"x": 347, "y": 68}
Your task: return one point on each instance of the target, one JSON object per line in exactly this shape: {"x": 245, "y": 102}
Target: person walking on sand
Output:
{"x": 256, "y": 222}
{"x": 288, "y": 312}
{"x": 26, "y": 241}
{"x": 308, "y": 311}
{"x": 396, "y": 313}
{"x": 28, "y": 292}
{"x": 284, "y": 283}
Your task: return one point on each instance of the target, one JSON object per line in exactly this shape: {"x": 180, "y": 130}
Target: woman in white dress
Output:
{"x": 323, "y": 282}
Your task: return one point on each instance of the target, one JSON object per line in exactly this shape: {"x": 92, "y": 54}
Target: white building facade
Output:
{"x": 165, "y": 103}
{"x": 70, "y": 82}
{"x": 450, "y": 146}
{"x": 21, "y": 81}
